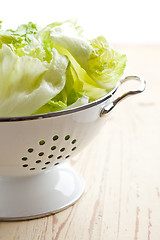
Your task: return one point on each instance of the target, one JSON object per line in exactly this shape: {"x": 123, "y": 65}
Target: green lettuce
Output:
{"x": 54, "y": 68}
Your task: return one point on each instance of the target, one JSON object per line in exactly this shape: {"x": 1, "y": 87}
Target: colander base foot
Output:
{"x": 40, "y": 195}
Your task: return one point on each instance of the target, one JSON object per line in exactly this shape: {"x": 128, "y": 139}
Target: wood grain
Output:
{"x": 121, "y": 168}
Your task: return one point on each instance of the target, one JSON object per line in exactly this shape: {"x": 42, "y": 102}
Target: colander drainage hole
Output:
{"x": 24, "y": 158}
{"x": 32, "y": 169}
{"x": 56, "y": 163}
{"x": 30, "y": 150}
{"x": 38, "y": 161}
{"x": 73, "y": 148}
{"x": 67, "y": 137}
{"x": 67, "y": 156}
{"x": 74, "y": 141}
{"x": 42, "y": 142}
{"x": 47, "y": 163}
{"x": 41, "y": 153}
{"x": 43, "y": 168}
{"x": 53, "y": 147}
{"x": 59, "y": 157}
{"x": 55, "y": 137}
{"x": 50, "y": 156}
{"x": 25, "y": 165}
{"x": 62, "y": 149}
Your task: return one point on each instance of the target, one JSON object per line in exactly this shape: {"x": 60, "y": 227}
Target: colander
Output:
{"x": 35, "y": 177}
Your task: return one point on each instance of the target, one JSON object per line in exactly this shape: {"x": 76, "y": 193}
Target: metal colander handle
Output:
{"x": 108, "y": 108}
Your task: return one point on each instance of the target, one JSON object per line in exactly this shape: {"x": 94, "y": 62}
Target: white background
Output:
{"x": 120, "y": 21}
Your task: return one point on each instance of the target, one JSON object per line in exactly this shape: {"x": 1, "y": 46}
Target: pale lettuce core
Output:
{"x": 54, "y": 68}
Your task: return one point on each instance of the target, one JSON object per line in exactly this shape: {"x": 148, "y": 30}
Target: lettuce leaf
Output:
{"x": 104, "y": 65}
{"x": 54, "y": 68}
{"x": 26, "y": 83}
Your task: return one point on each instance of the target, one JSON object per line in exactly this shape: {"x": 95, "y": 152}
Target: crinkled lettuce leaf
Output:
{"x": 54, "y": 68}
{"x": 26, "y": 83}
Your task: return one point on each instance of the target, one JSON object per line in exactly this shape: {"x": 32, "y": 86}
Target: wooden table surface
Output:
{"x": 121, "y": 168}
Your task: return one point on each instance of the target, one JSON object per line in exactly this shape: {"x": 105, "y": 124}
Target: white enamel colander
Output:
{"x": 35, "y": 180}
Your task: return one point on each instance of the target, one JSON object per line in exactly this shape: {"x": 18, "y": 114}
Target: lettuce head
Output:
{"x": 54, "y": 68}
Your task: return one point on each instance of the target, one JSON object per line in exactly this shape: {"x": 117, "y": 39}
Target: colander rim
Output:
{"x": 63, "y": 112}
